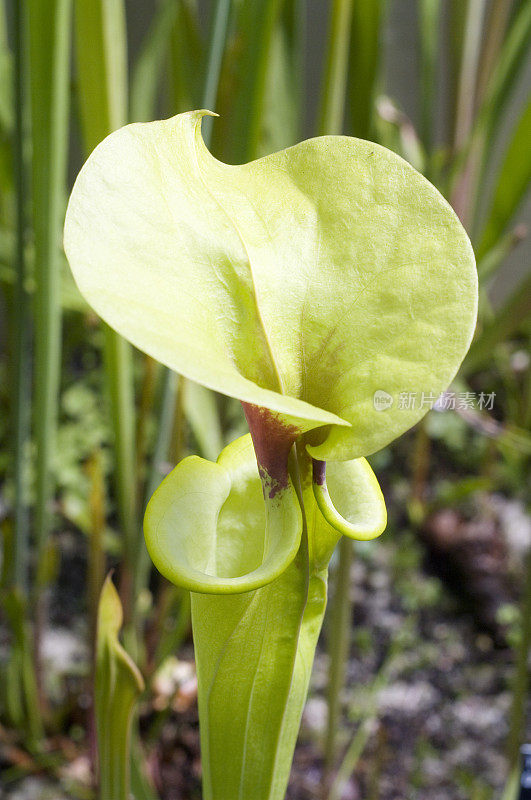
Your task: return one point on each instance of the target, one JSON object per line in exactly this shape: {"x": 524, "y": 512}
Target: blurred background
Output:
{"x": 425, "y": 690}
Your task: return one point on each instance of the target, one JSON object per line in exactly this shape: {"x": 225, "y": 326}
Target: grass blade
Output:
{"x": 5, "y": 57}
{"x": 186, "y": 59}
{"x": 118, "y": 686}
{"x": 20, "y": 678}
{"x": 364, "y": 64}
{"x": 506, "y": 322}
{"x": 336, "y": 69}
{"x": 9, "y": 72}
{"x": 429, "y": 12}
{"x": 145, "y": 80}
{"x": 282, "y": 113}
{"x": 243, "y": 118}
{"x": 496, "y": 27}
{"x": 201, "y": 411}
{"x": 456, "y": 23}
{"x": 512, "y": 184}
{"x": 49, "y": 58}
{"x": 494, "y": 258}
{"x": 512, "y": 788}
{"x": 468, "y": 74}
{"x": 510, "y": 65}
{"x": 119, "y": 375}
{"x": 471, "y": 166}
{"x": 362, "y": 735}
{"x": 521, "y": 677}
{"x": 49, "y": 41}
{"x": 338, "y": 647}
{"x": 215, "y": 56}
{"x": 96, "y": 550}
{"x": 141, "y": 788}
{"x": 165, "y": 424}
{"x": 394, "y": 130}
{"x": 101, "y": 47}
{"x": 466, "y": 109}
{"x": 19, "y": 689}
{"x": 21, "y": 410}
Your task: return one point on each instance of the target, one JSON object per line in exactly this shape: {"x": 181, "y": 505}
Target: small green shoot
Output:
{"x": 118, "y": 686}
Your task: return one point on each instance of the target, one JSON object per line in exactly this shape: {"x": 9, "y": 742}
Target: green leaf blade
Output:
{"x": 364, "y": 64}
{"x": 101, "y": 47}
{"x": 257, "y": 650}
{"x": 118, "y": 686}
{"x": 49, "y": 61}
{"x": 512, "y": 183}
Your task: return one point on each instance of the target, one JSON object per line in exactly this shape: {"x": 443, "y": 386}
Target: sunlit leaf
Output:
{"x": 304, "y": 282}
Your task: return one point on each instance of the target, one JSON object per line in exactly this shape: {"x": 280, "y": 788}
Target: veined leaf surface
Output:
{"x": 303, "y": 282}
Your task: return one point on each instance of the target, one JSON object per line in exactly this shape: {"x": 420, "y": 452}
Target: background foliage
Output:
{"x": 88, "y": 427}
